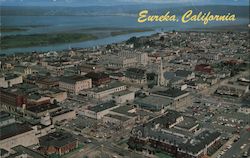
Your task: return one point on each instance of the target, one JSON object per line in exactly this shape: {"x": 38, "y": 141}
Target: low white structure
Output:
{"x": 127, "y": 59}
{"x": 109, "y": 89}
{"x": 63, "y": 115}
{"x": 98, "y": 111}
{"x": 118, "y": 120}
{"x": 123, "y": 96}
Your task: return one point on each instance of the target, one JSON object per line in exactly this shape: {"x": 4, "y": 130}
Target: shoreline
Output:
{"x": 150, "y": 33}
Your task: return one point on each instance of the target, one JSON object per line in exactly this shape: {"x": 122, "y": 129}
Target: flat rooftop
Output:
{"x": 73, "y": 79}
{"x": 43, "y": 108}
{"x": 57, "y": 139}
{"x": 172, "y": 93}
{"x": 60, "y": 112}
{"x": 109, "y": 86}
{"x": 102, "y": 106}
{"x": 121, "y": 93}
{"x": 118, "y": 117}
{"x": 127, "y": 110}
{"x": 21, "y": 150}
{"x": 187, "y": 123}
{"x": 154, "y": 100}
{"x": 13, "y": 130}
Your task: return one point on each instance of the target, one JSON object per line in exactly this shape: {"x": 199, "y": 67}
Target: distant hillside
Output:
{"x": 240, "y": 11}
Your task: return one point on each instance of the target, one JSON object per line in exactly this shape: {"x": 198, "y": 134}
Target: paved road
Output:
{"x": 235, "y": 150}
{"x": 229, "y": 142}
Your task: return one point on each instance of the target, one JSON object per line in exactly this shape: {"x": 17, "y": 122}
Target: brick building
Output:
{"x": 57, "y": 143}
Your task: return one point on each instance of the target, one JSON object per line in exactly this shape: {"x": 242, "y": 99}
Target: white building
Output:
{"x": 75, "y": 84}
{"x": 98, "y": 111}
{"x": 109, "y": 89}
{"x": 63, "y": 115}
{"x": 123, "y": 96}
{"x": 127, "y": 59}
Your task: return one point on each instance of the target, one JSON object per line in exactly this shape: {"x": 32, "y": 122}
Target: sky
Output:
{"x": 77, "y": 3}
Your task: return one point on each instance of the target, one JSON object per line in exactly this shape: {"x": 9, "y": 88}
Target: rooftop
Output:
{"x": 125, "y": 110}
{"x": 200, "y": 141}
{"x": 187, "y": 123}
{"x": 154, "y": 100}
{"x": 57, "y": 139}
{"x": 183, "y": 73}
{"x": 42, "y": 108}
{"x": 102, "y": 106}
{"x": 73, "y": 79}
{"x": 97, "y": 75}
{"x": 118, "y": 117}
{"x": 172, "y": 93}
{"x": 121, "y": 93}
{"x": 24, "y": 150}
{"x": 109, "y": 86}
{"x": 13, "y": 130}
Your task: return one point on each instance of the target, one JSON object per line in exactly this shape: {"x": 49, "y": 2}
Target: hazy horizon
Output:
{"x": 80, "y": 3}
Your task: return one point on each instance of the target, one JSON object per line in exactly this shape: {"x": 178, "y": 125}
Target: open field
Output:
{"x": 14, "y": 41}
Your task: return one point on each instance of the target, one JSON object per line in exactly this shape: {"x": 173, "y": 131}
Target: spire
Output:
{"x": 161, "y": 79}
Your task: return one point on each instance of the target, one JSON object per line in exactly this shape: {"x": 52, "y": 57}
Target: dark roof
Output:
{"x": 118, "y": 117}
{"x": 125, "y": 110}
{"x": 73, "y": 79}
{"x": 187, "y": 123}
{"x": 189, "y": 143}
{"x": 183, "y": 73}
{"x": 57, "y": 139}
{"x": 42, "y": 108}
{"x": 172, "y": 93}
{"x": 103, "y": 106}
{"x": 109, "y": 86}
{"x": 10, "y": 76}
{"x": 165, "y": 120}
{"x": 136, "y": 70}
{"x": 97, "y": 75}
{"x": 21, "y": 150}
{"x": 60, "y": 112}
{"x": 200, "y": 141}
{"x": 135, "y": 73}
{"x": 13, "y": 130}
{"x": 118, "y": 74}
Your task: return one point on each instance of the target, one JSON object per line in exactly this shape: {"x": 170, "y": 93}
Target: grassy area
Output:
{"x": 15, "y": 41}
{"x": 122, "y": 32}
{"x": 12, "y": 29}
